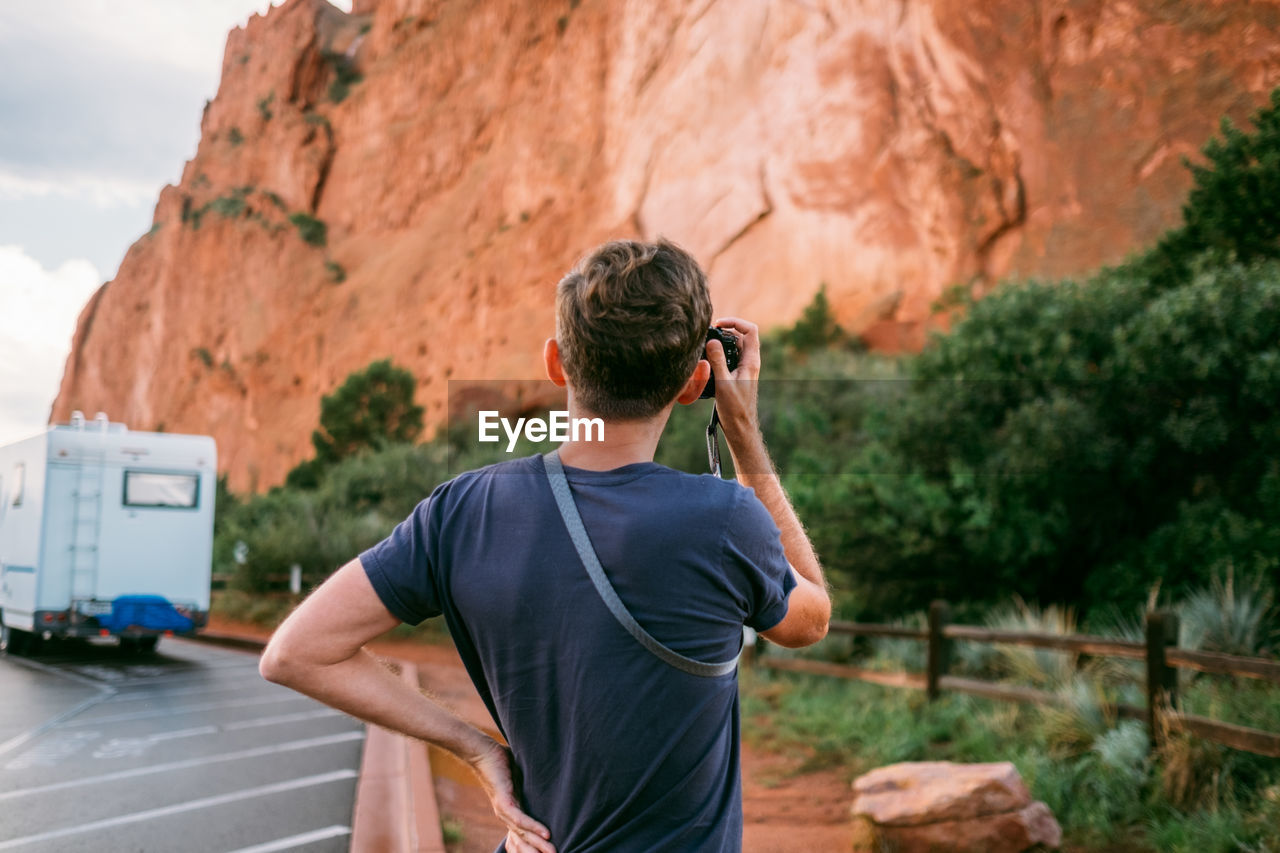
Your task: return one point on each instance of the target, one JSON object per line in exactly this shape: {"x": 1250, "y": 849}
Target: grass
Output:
{"x": 1092, "y": 770}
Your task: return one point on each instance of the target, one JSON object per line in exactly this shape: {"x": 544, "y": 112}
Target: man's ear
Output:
{"x": 693, "y": 387}
{"x": 551, "y": 357}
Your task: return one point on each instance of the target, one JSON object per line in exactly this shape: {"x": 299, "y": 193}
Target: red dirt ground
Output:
{"x": 784, "y": 811}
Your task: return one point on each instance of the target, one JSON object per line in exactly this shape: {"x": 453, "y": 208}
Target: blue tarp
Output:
{"x": 150, "y": 612}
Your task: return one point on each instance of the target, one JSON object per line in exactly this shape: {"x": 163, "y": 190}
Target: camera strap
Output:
{"x": 713, "y": 442}
{"x": 582, "y": 542}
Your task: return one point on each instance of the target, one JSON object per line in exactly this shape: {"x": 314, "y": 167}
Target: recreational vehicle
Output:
{"x": 105, "y": 532}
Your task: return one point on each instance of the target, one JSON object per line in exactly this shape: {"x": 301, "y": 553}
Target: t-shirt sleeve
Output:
{"x": 402, "y": 567}
{"x": 753, "y": 547}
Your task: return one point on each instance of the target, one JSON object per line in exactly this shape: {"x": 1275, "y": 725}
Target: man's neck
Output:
{"x": 624, "y": 443}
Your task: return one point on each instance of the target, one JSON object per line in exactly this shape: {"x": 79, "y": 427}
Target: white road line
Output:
{"x": 104, "y": 693}
{"x": 256, "y": 722}
{"x": 256, "y": 752}
{"x": 297, "y": 840}
{"x": 147, "y": 695}
{"x": 53, "y": 670}
{"x": 204, "y": 674}
{"x": 179, "y": 808}
{"x": 277, "y": 719}
{"x": 183, "y": 709}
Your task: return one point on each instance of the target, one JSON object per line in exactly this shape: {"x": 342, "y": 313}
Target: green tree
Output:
{"x": 1234, "y": 206}
{"x": 1081, "y": 440}
{"x": 372, "y": 409}
{"x": 816, "y": 328}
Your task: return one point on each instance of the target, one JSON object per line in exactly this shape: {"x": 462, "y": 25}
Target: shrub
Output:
{"x": 1228, "y": 617}
{"x": 312, "y": 231}
{"x": 345, "y": 76}
{"x": 371, "y": 410}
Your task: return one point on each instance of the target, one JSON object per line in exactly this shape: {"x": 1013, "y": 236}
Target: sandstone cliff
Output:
{"x": 411, "y": 180}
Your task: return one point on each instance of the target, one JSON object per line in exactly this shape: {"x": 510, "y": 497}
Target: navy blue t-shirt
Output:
{"x": 617, "y": 751}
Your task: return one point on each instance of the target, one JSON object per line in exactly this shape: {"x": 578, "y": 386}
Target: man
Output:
{"x": 614, "y": 748}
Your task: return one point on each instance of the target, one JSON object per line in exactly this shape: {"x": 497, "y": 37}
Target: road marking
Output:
{"x": 297, "y": 717}
{"x": 255, "y": 723}
{"x": 53, "y": 670}
{"x": 51, "y": 751}
{"x": 190, "y": 806}
{"x": 183, "y": 709}
{"x": 104, "y": 693}
{"x": 297, "y": 840}
{"x": 143, "y": 695}
{"x": 201, "y": 680}
{"x": 256, "y": 752}
{"x": 135, "y": 746}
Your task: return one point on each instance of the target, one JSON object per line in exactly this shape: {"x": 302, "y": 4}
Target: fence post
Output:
{"x": 1162, "y": 679}
{"x": 939, "y": 651}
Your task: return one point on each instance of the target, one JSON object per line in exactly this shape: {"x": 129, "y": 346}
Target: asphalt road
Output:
{"x": 187, "y": 749}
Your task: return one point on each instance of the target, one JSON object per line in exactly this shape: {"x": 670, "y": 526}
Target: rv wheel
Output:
{"x": 12, "y": 640}
{"x": 138, "y": 645}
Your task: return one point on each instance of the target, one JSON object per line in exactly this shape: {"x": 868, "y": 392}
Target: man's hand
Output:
{"x": 737, "y": 402}
{"x": 736, "y": 392}
{"x": 524, "y": 834}
{"x": 319, "y": 651}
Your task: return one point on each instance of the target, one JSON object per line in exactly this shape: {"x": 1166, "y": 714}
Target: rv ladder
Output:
{"x": 86, "y": 521}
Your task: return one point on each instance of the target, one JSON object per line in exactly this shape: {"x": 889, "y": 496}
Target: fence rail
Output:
{"x": 1160, "y": 653}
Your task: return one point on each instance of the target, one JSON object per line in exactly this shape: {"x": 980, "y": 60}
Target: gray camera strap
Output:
{"x": 582, "y": 542}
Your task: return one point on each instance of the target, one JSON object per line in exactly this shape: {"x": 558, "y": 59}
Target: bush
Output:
{"x": 312, "y": 231}
{"x": 345, "y": 76}
{"x": 352, "y": 507}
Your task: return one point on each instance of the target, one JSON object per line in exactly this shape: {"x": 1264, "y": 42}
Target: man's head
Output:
{"x": 631, "y": 321}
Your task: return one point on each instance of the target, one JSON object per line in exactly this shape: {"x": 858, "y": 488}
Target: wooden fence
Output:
{"x": 1159, "y": 651}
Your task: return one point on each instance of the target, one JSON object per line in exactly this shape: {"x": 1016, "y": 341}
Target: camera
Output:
{"x": 731, "y": 355}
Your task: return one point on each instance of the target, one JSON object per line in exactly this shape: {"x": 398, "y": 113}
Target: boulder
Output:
{"x": 935, "y": 806}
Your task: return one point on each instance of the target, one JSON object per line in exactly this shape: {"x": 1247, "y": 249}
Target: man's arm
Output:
{"x": 809, "y": 605}
{"x": 319, "y": 651}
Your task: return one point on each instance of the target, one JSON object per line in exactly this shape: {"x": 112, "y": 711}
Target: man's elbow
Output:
{"x": 814, "y": 630}
{"x": 801, "y": 632}
{"x": 277, "y": 665}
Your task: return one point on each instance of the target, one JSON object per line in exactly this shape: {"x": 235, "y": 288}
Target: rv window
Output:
{"x": 19, "y": 478}
{"x": 148, "y": 488}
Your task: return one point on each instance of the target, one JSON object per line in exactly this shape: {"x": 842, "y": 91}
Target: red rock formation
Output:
{"x": 887, "y": 148}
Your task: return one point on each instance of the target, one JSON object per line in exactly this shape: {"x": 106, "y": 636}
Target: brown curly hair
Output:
{"x": 631, "y": 322}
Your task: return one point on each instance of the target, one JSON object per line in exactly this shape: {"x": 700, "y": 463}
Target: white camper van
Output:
{"x": 105, "y": 532}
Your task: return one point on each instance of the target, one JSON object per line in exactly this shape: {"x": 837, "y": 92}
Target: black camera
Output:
{"x": 731, "y": 355}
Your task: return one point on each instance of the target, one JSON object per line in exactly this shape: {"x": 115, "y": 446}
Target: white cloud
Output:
{"x": 38, "y": 311}
{"x": 176, "y": 33}
{"x": 100, "y": 191}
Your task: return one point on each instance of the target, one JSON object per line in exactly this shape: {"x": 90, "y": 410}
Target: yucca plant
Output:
{"x": 1229, "y": 617}
{"x": 1045, "y": 668}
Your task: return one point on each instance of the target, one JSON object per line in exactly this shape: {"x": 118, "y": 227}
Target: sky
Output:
{"x": 100, "y": 104}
